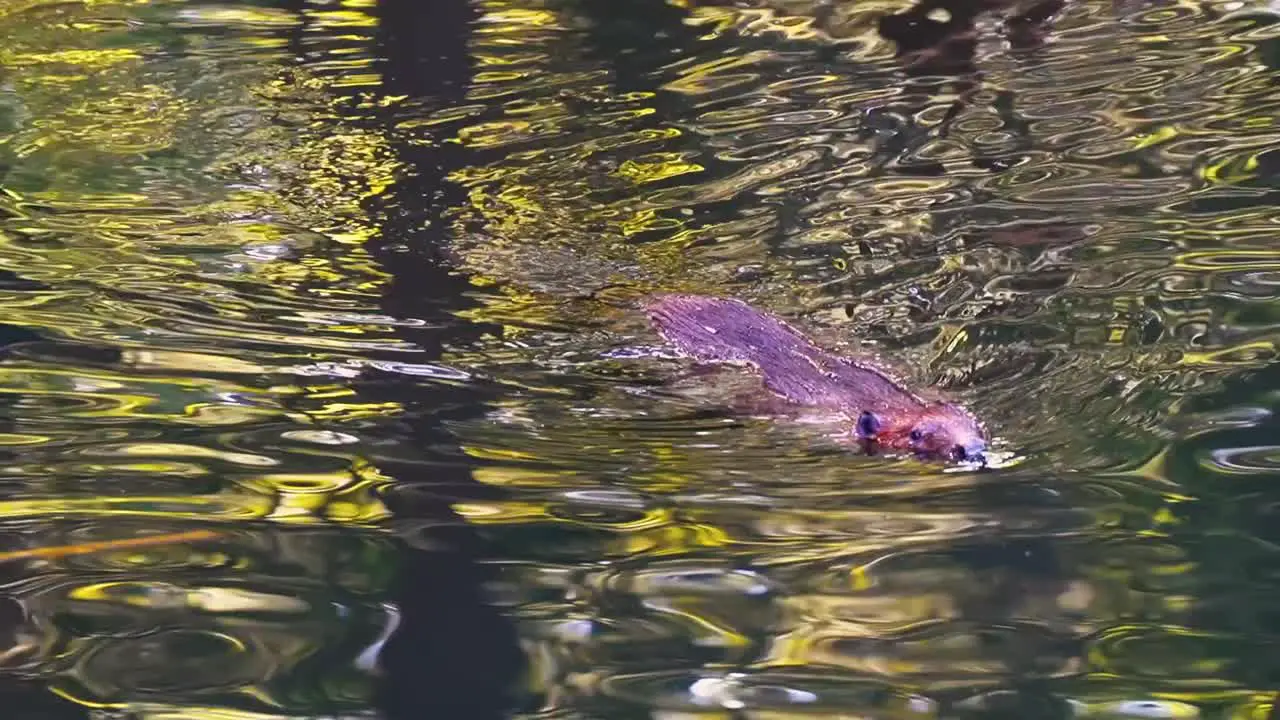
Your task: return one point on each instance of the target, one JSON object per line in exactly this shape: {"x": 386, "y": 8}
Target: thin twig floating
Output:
{"x": 91, "y": 547}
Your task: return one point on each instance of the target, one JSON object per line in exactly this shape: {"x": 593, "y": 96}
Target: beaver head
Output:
{"x": 944, "y": 430}
{"x": 941, "y": 430}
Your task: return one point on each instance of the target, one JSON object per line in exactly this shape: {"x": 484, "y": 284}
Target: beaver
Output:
{"x": 881, "y": 411}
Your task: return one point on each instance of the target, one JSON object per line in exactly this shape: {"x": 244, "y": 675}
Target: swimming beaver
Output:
{"x": 721, "y": 330}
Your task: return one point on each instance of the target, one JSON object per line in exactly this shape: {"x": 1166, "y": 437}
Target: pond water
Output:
{"x": 325, "y": 391}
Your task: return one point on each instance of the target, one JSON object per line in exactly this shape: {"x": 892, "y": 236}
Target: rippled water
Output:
{"x": 320, "y": 318}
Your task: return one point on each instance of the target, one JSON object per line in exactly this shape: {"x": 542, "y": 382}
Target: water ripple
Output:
{"x": 213, "y": 217}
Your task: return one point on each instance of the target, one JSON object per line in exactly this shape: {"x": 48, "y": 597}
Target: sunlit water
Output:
{"x": 221, "y": 234}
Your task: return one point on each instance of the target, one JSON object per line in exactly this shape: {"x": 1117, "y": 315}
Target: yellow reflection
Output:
{"x": 1157, "y": 137}
{"x": 21, "y": 439}
{"x": 175, "y": 360}
{"x": 238, "y": 15}
{"x": 343, "y": 496}
{"x": 518, "y": 477}
{"x": 1228, "y": 259}
{"x": 666, "y": 540}
{"x": 342, "y": 18}
{"x": 710, "y": 76}
{"x": 703, "y": 629}
{"x": 1154, "y": 469}
{"x": 500, "y": 513}
{"x": 1232, "y": 169}
{"x": 1245, "y": 354}
{"x": 175, "y": 506}
{"x": 204, "y": 599}
{"x": 344, "y": 412}
{"x": 656, "y": 167}
{"x": 519, "y": 16}
{"x": 88, "y": 59}
{"x": 137, "y": 120}
{"x": 181, "y": 450}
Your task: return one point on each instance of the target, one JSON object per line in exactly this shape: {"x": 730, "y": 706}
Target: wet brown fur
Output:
{"x": 723, "y": 330}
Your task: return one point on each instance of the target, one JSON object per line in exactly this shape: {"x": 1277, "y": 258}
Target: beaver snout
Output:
{"x": 950, "y": 432}
{"x": 975, "y": 451}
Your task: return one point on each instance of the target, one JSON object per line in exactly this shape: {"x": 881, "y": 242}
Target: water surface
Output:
{"x": 349, "y": 289}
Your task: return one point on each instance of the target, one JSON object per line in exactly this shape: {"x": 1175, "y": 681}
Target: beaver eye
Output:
{"x": 959, "y": 454}
{"x": 916, "y": 435}
{"x": 868, "y": 424}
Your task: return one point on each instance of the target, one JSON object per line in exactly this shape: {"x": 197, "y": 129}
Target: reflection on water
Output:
{"x": 340, "y": 294}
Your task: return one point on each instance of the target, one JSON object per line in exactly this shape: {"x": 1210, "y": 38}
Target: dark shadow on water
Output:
{"x": 1230, "y": 531}
{"x": 453, "y": 654}
{"x": 28, "y": 698}
{"x": 938, "y": 39}
{"x": 636, "y": 40}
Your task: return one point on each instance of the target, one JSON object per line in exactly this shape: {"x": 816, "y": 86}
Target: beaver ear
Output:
{"x": 868, "y": 425}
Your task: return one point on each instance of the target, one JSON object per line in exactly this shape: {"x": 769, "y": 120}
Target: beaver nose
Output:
{"x": 973, "y": 452}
